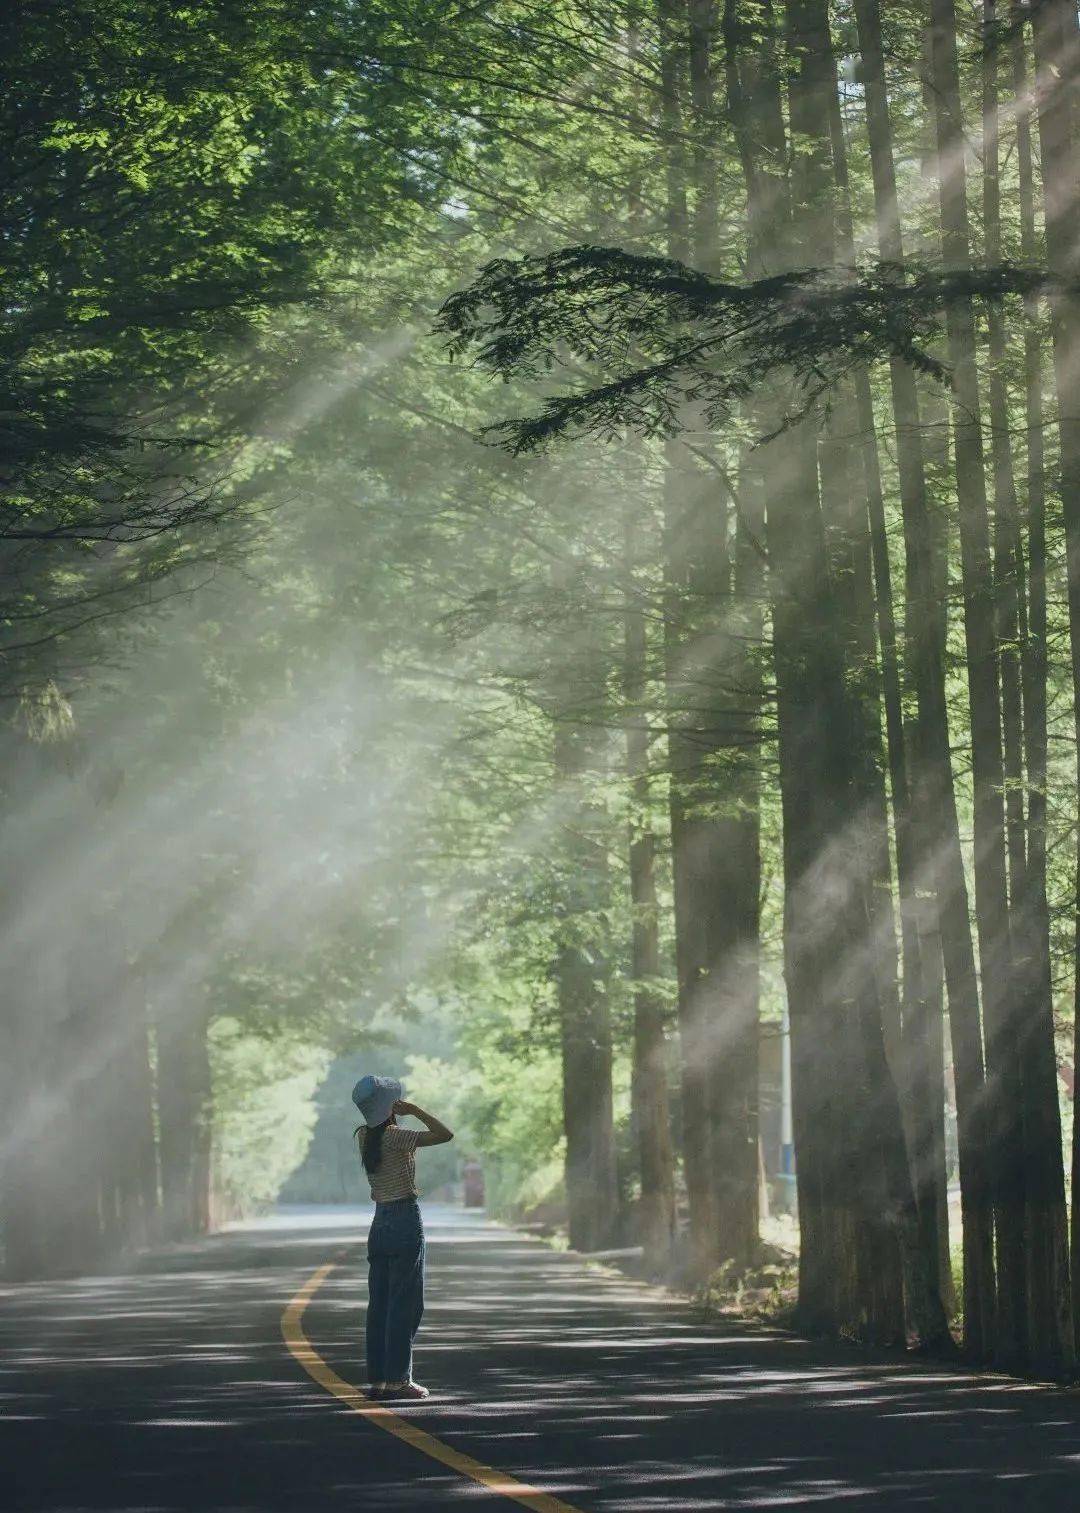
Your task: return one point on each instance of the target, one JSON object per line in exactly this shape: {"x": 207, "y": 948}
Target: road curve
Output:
{"x": 173, "y": 1389}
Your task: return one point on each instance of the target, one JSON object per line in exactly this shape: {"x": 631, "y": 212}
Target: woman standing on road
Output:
{"x": 396, "y": 1238}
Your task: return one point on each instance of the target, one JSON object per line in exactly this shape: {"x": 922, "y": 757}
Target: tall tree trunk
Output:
{"x": 726, "y": 778}
{"x": 649, "y": 1084}
{"x": 936, "y": 441}
{"x": 701, "y": 29}
{"x": 887, "y": 1192}
{"x": 649, "y": 1098}
{"x": 1049, "y": 1334}
{"x": 1034, "y": 630}
{"x": 941, "y": 896}
{"x": 715, "y": 861}
{"x": 592, "y": 1190}
{"x": 696, "y": 1123}
{"x": 1057, "y": 58}
{"x": 991, "y": 891}
{"x": 836, "y": 1031}
{"x": 713, "y": 780}
{"x": 97, "y": 980}
{"x": 917, "y": 1144}
{"x": 1006, "y": 512}
{"x": 787, "y": 470}
{"x": 750, "y": 590}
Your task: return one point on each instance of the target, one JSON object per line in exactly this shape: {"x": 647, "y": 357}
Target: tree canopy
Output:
{"x": 691, "y": 804}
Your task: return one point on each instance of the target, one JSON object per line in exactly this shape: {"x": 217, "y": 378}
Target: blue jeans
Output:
{"x": 395, "y": 1289}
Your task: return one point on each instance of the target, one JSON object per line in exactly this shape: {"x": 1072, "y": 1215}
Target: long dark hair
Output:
{"x": 371, "y": 1144}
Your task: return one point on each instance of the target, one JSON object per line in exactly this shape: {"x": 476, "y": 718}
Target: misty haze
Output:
{"x": 539, "y": 708}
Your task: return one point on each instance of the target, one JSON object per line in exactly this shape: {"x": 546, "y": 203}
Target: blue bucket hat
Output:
{"x": 375, "y": 1098}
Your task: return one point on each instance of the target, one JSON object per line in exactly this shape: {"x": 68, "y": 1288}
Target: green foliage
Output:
{"x": 228, "y": 234}
{"x": 172, "y": 180}
{"x": 263, "y": 1110}
{"x": 669, "y": 340}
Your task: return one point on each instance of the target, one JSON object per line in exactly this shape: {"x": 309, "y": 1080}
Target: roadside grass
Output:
{"x": 766, "y": 1290}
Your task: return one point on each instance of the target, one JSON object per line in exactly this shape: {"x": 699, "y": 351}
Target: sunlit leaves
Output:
{"x": 172, "y": 180}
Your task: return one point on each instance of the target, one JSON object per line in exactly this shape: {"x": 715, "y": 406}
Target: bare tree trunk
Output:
{"x": 1057, "y": 59}
{"x": 916, "y": 1147}
{"x": 726, "y": 779}
{"x": 1034, "y": 628}
{"x": 887, "y": 1213}
{"x": 944, "y": 932}
{"x": 936, "y": 449}
{"x": 837, "y": 1048}
{"x": 1006, "y": 512}
{"x": 786, "y": 483}
{"x": 712, "y": 685}
{"x": 649, "y": 1098}
{"x": 592, "y": 1191}
{"x": 1044, "y": 1178}
{"x": 696, "y": 1124}
{"x": 715, "y": 848}
{"x": 649, "y": 1086}
{"x": 991, "y": 891}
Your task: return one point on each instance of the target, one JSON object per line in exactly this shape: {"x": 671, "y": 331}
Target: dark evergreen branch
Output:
{"x": 660, "y": 335}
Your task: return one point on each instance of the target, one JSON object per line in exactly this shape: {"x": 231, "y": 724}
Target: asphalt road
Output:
{"x": 172, "y": 1389}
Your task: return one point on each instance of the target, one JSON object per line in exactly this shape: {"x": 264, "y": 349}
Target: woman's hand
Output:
{"x": 436, "y": 1132}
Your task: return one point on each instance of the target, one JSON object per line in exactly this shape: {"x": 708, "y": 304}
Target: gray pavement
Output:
{"x": 171, "y": 1389}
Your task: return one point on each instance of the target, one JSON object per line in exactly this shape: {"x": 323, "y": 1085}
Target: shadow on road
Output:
{"x": 171, "y": 1389}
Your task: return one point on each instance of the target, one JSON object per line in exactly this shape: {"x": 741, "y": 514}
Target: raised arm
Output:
{"x": 436, "y": 1132}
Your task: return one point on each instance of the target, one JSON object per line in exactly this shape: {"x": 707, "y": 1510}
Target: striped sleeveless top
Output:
{"x": 395, "y": 1176}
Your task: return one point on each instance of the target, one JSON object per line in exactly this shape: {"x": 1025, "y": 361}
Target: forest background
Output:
{"x": 562, "y": 764}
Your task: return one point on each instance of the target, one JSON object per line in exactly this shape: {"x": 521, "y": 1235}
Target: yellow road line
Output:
{"x": 385, "y": 1418}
